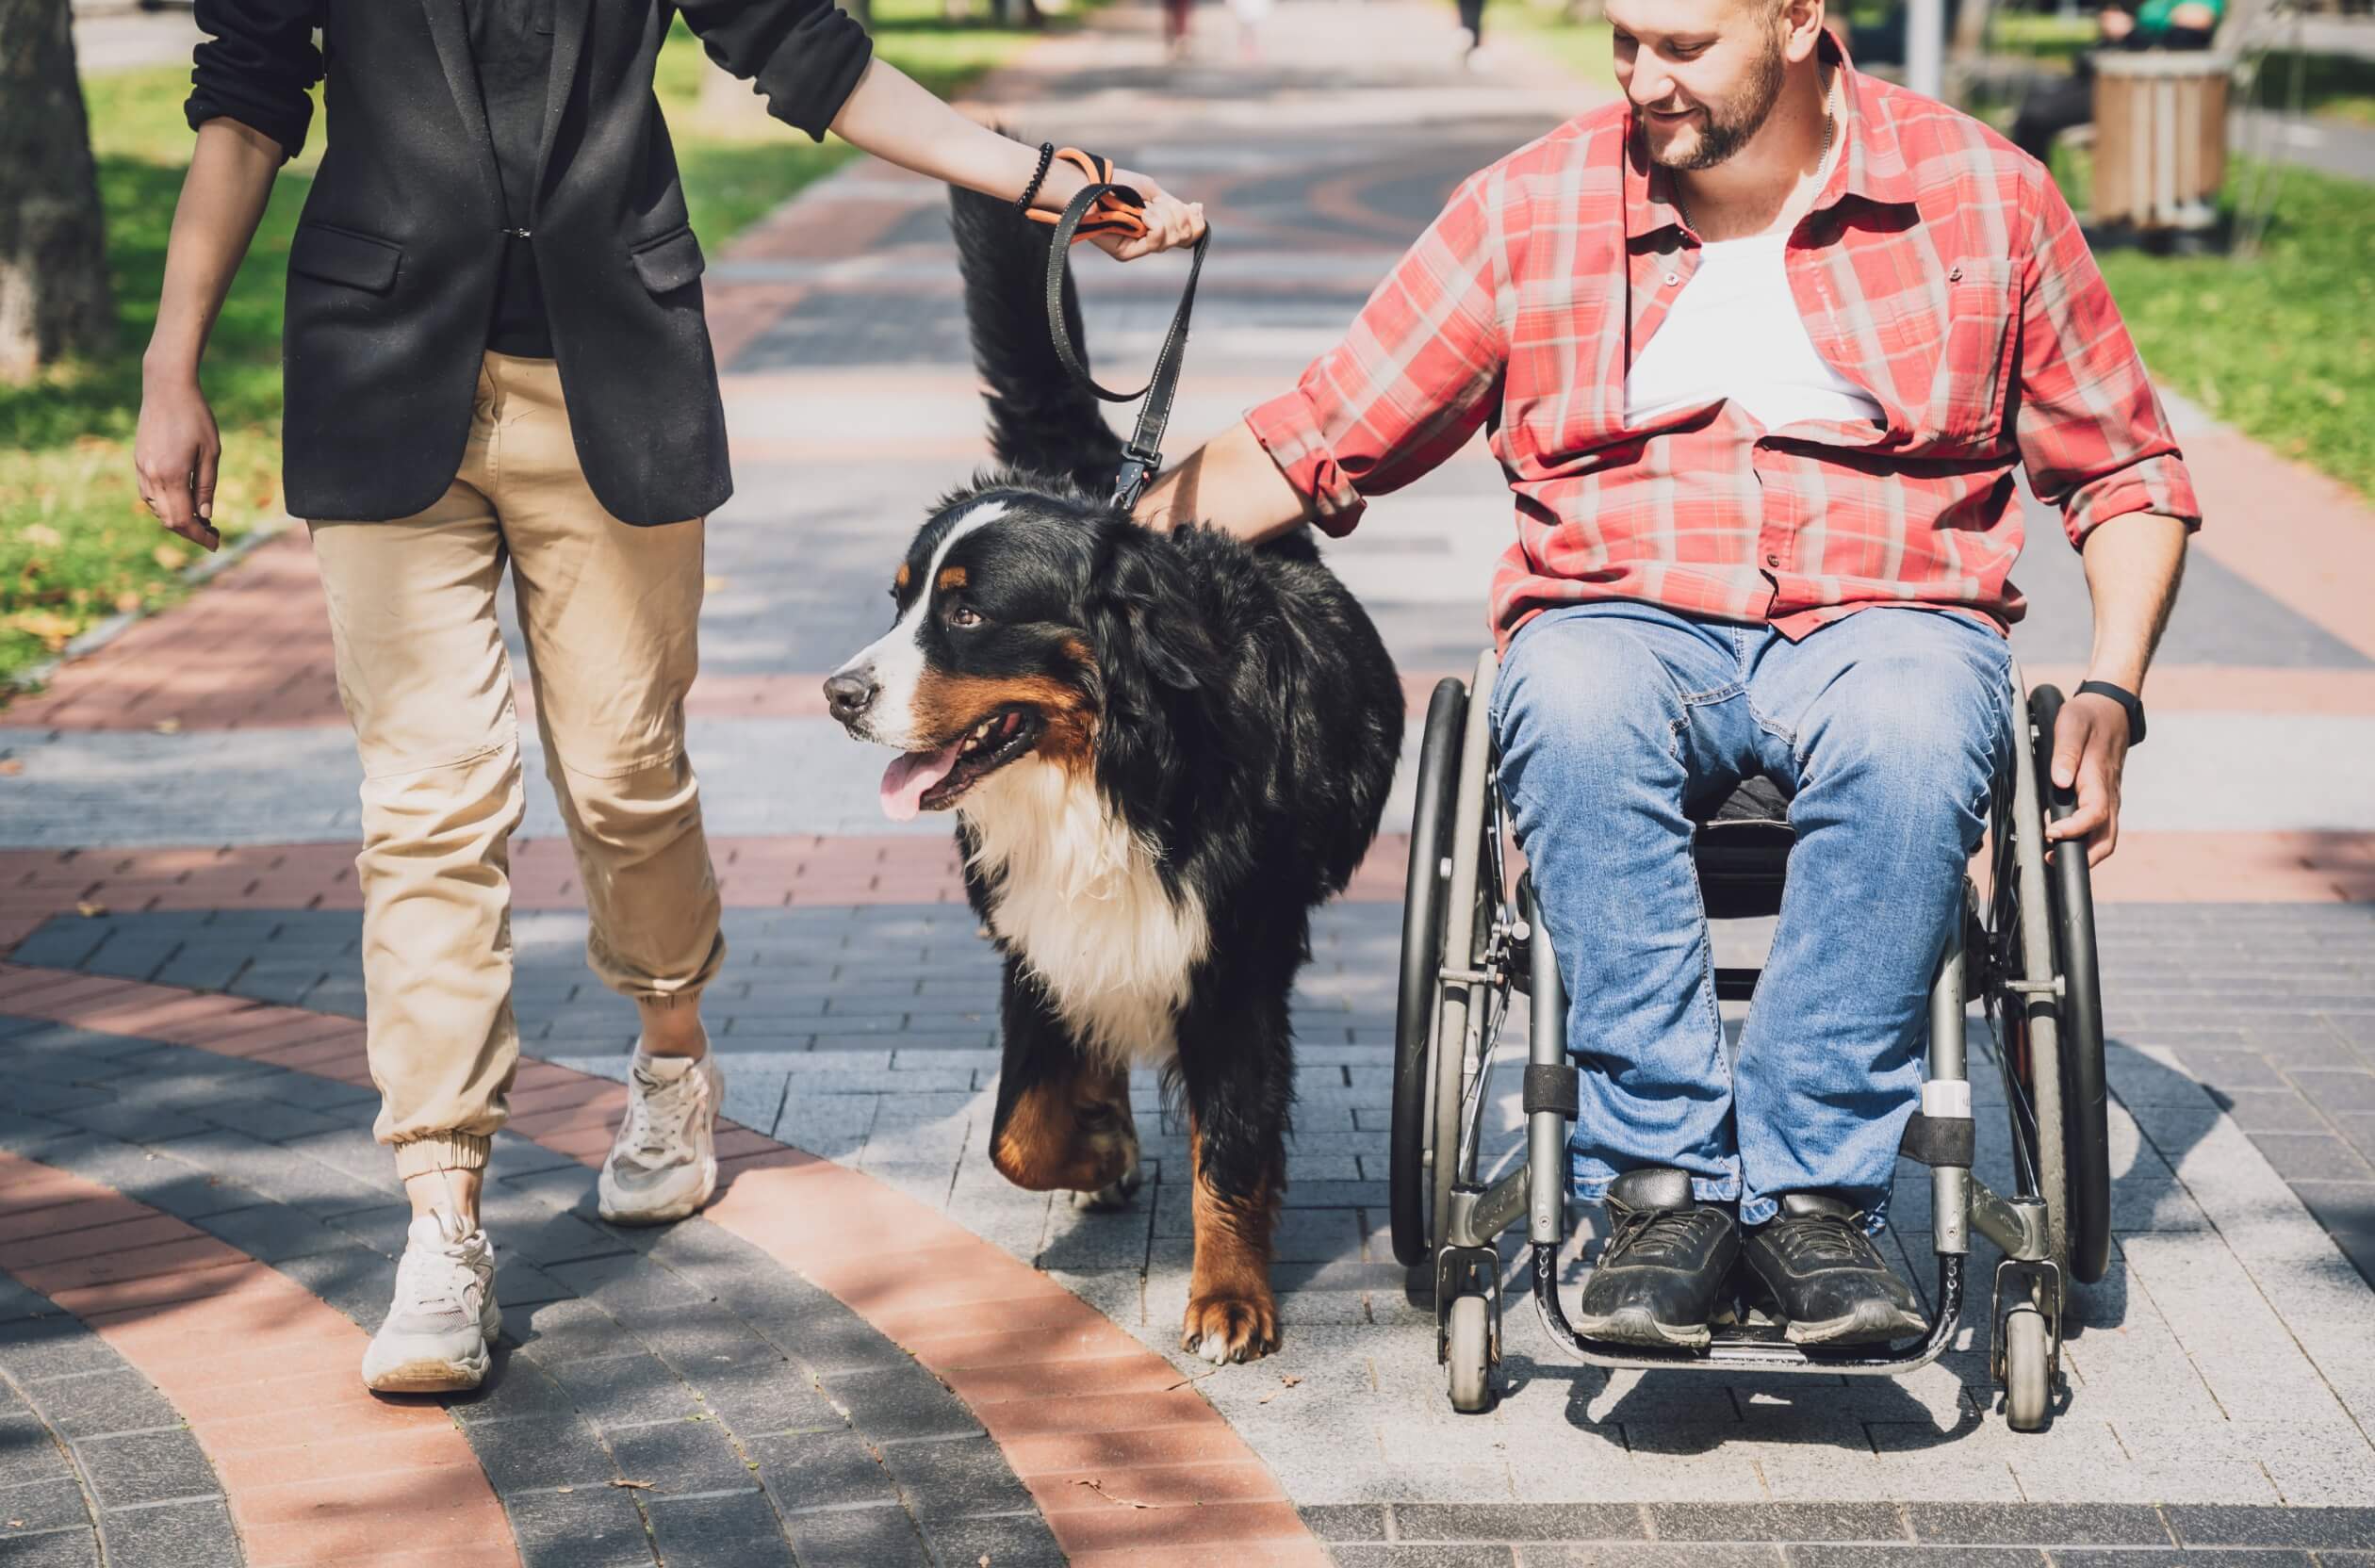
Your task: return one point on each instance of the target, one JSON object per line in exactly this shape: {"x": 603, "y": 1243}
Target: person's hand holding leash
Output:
{"x": 1124, "y": 228}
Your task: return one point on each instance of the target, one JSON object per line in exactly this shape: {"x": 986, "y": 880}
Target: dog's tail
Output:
{"x": 1041, "y": 421}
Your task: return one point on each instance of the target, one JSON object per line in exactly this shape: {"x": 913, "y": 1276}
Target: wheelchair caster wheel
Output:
{"x": 1470, "y": 1355}
{"x": 2027, "y": 1363}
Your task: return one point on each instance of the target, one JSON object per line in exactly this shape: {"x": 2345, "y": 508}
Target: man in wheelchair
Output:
{"x": 1759, "y": 349}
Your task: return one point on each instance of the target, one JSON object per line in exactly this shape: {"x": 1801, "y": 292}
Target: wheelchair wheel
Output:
{"x": 1468, "y": 1355}
{"x": 2028, "y": 1391}
{"x": 2086, "y": 1101}
{"x": 1423, "y": 904}
{"x": 1471, "y": 897}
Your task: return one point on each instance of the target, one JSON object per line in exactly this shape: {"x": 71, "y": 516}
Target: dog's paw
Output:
{"x": 1115, "y": 1195}
{"x": 1224, "y": 1328}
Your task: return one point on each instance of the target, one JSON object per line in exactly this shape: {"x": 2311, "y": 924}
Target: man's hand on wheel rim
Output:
{"x": 2090, "y": 745}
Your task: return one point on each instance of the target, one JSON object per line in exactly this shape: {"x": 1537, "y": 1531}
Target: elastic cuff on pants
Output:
{"x": 442, "y": 1151}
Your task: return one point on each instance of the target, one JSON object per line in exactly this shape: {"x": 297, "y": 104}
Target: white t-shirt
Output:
{"x": 1736, "y": 333}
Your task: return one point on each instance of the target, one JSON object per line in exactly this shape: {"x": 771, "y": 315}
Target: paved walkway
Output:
{"x": 872, "y": 1351}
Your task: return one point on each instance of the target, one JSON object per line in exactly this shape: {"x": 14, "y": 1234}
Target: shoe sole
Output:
{"x": 431, "y": 1375}
{"x": 1634, "y": 1325}
{"x": 1871, "y": 1323}
{"x": 684, "y": 1208}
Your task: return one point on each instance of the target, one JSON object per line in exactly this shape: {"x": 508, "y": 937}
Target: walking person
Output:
{"x": 496, "y": 354}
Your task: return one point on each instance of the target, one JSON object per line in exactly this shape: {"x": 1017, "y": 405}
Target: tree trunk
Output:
{"x": 54, "y": 300}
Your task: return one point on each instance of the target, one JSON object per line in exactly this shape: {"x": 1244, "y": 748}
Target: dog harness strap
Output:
{"x": 1553, "y": 1088}
{"x": 1144, "y": 453}
{"x": 1935, "y": 1140}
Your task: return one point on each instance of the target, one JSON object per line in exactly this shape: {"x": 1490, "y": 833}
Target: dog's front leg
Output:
{"x": 1063, "y": 1119}
{"x": 1240, "y": 1084}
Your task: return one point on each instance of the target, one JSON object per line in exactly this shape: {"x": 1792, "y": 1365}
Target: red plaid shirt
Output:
{"x": 1939, "y": 269}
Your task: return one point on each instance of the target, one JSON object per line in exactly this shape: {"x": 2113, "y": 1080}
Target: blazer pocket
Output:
{"x": 670, "y": 262}
{"x": 342, "y": 257}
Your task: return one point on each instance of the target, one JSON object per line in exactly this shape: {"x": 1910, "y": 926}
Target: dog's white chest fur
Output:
{"x": 1079, "y": 897}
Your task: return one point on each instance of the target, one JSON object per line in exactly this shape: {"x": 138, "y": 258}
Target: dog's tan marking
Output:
{"x": 906, "y": 576}
{"x": 1231, "y": 1315}
{"x": 951, "y": 579}
{"x": 951, "y": 704}
{"x": 1073, "y": 1134}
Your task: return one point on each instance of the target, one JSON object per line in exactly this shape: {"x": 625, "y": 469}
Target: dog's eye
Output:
{"x": 962, "y": 615}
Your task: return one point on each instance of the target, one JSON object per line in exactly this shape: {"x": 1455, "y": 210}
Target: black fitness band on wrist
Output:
{"x": 2127, "y": 699}
{"x": 1030, "y": 192}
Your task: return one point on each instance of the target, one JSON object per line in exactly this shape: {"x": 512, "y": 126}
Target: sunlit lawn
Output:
{"x": 75, "y": 545}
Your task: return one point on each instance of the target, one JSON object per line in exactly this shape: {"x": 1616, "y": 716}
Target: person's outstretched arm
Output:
{"x": 1416, "y": 375}
{"x": 815, "y": 66}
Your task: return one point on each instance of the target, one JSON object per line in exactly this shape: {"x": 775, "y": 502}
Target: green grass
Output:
{"x": 1584, "y": 48}
{"x": 2282, "y": 345}
{"x": 75, "y": 545}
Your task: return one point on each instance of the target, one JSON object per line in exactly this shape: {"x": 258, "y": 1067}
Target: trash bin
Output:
{"x": 2160, "y": 140}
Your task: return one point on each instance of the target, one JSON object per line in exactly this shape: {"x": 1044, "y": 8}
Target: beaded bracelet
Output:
{"x": 1030, "y": 192}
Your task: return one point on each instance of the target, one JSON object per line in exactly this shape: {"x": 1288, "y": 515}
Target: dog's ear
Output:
{"x": 1143, "y": 616}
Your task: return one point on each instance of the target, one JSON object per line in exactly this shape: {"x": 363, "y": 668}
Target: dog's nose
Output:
{"x": 849, "y": 693}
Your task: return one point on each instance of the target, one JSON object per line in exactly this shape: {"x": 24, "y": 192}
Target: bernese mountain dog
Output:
{"x": 1163, "y": 750}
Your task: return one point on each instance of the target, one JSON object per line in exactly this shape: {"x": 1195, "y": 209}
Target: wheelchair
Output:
{"x": 1473, "y": 942}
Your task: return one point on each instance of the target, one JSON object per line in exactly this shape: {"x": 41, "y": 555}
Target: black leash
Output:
{"x": 1144, "y": 453}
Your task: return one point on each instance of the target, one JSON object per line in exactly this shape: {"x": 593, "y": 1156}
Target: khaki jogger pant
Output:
{"x": 609, "y": 615}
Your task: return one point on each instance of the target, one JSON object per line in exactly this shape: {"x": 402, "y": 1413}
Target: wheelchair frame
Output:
{"x": 1469, "y": 941}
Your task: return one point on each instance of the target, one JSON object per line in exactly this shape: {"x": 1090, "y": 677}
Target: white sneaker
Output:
{"x": 664, "y": 1164}
{"x": 444, "y": 1315}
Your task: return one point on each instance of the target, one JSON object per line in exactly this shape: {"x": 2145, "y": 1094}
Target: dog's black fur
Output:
{"x": 1233, "y": 706}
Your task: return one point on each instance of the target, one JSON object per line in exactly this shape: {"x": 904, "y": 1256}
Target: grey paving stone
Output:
{"x": 2036, "y": 1525}
{"x": 620, "y": 1390}
{"x": 102, "y": 1402}
{"x": 803, "y": 1471}
{"x": 737, "y": 1531}
{"x": 1426, "y": 1557}
{"x": 273, "y": 1232}
{"x": 597, "y": 1529}
{"x": 53, "y": 1346}
{"x": 2145, "y": 1557}
{"x": 2309, "y": 1529}
{"x": 2313, "y": 1157}
{"x": 763, "y": 1394}
{"x": 1914, "y": 1557}
{"x": 952, "y": 1479}
{"x": 146, "y": 1467}
{"x": 857, "y": 1538}
{"x": 29, "y": 1454}
{"x": 176, "y": 1535}
{"x": 66, "y": 1548}
{"x": 1792, "y": 1521}
{"x": 679, "y": 1457}
{"x": 1007, "y": 1541}
{"x": 30, "y": 1506}
{"x": 357, "y": 1281}
{"x": 556, "y": 1333}
{"x": 539, "y": 1451}
{"x": 1528, "y": 1521}
{"x": 1346, "y": 1521}
{"x": 895, "y": 1404}
{"x": 1648, "y": 1557}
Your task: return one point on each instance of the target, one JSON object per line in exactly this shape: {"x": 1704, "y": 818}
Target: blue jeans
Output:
{"x": 1887, "y": 727}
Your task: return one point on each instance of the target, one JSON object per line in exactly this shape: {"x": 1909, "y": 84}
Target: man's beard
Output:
{"x": 1727, "y": 126}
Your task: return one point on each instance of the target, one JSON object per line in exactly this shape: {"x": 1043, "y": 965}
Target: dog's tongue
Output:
{"x": 906, "y": 779}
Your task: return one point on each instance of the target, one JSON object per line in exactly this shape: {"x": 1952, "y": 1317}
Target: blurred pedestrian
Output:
{"x": 2068, "y": 102}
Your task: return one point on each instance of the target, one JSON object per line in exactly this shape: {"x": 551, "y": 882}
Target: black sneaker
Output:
{"x": 1827, "y": 1279}
{"x": 1667, "y": 1257}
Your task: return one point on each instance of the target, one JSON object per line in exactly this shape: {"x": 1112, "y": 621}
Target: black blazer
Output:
{"x": 393, "y": 269}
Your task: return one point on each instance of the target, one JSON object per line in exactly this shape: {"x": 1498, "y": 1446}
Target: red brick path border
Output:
{"x": 314, "y": 1469}
{"x": 1068, "y": 1395}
